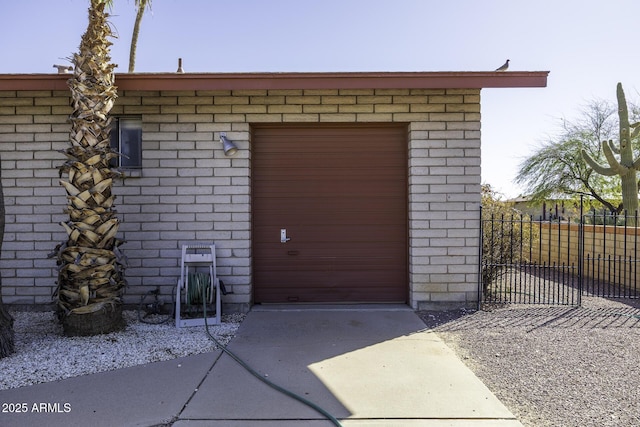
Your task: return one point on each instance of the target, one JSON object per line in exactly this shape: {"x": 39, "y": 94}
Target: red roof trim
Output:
{"x": 240, "y": 81}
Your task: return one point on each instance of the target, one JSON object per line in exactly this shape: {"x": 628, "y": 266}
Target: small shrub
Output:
{"x": 507, "y": 236}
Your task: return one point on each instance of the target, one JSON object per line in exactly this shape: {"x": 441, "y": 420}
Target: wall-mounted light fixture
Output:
{"x": 228, "y": 146}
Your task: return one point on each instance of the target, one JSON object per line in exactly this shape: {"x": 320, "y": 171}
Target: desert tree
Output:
{"x": 557, "y": 167}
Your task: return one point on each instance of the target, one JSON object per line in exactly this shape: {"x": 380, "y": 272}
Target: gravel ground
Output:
{"x": 43, "y": 354}
{"x": 554, "y": 366}
{"x": 551, "y": 366}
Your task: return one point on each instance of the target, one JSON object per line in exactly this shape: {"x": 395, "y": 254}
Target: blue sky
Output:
{"x": 588, "y": 46}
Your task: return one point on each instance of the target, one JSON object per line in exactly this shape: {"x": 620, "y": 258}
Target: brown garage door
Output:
{"x": 329, "y": 213}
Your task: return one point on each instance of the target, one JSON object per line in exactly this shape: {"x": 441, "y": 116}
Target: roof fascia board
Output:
{"x": 252, "y": 81}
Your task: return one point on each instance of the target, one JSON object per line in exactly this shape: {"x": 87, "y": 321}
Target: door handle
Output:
{"x": 283, "y": 236}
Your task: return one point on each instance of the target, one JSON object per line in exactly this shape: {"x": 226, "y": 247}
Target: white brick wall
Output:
{"x": 189, "y": 190}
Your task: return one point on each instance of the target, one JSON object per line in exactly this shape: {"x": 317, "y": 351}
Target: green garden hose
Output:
{"x": 199, "y": 288}
{"x": 253, "y": 372}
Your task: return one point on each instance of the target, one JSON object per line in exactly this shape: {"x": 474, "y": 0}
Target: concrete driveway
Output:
{"x": 365, "y": 365}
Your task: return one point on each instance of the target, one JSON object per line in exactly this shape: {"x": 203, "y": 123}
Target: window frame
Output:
{"x": 116, "y": 142}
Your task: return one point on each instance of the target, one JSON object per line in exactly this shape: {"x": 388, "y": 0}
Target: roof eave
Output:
{"x": 252, "y": 81}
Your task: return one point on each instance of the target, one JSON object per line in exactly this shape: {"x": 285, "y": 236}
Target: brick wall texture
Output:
{"x": 188, "y": 190}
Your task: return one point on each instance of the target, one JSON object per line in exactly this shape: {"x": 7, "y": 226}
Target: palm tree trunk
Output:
{"x": 91, "y": 279}
{"x": 6, "y": 331}
{"x": 6, "y": 321}
{"x": 142, "y": 4}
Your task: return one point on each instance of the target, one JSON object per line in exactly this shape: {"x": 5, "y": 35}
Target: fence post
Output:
{"x": 635, "y": 254}
{"x": 580, "y": 251}
{"x": 480, "y": 249}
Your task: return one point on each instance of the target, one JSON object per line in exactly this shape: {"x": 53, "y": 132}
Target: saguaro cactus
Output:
{"x": 626, "y": 168}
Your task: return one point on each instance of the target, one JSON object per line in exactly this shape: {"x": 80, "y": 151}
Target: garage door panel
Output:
{"x": 351, "y": 203}
{"x": 352, "y": 236}
{"x": 290, "y": 217}
{"x": 343, "y": 234}
{"x": 299, "y": 166}
{"x": 352, "y": 266}
{"x": 358, "y": 204}
{"x": 335, "y": 182}
{"x": 326, "y": 142}
{"x": 332, "y": 293}
{"x": 341, "y": 194}
{"x": 325, "y": 286}
{"x": 352, "y": 197}
{"x": 291, "y": 254}
{"x": 323, "y": 295}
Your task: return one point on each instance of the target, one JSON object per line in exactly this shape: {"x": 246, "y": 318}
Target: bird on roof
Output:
{"x": 503, "y": 67}
{"x": 63, "y": 69}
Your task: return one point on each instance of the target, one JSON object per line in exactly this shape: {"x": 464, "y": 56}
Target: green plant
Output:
{"x": 506, "y": 236}
{"x": 557, "y": 170}
{"x": 626, "y": 167}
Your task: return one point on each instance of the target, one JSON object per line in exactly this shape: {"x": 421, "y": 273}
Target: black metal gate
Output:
{"x": 556, "y": 262}
{"x": 610, "y": 255}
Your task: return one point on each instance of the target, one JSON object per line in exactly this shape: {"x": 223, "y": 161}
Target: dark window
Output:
{"x": 126, "y": 139}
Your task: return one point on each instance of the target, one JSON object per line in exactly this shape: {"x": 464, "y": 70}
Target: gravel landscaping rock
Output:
{"x": 551, "y": 366}
{"x": 554, "y": 366}
{"x": 43, "y": 354}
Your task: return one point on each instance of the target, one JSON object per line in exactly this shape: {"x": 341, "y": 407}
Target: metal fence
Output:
{"x": 556, "y": 262}
{"x": 610, "y": 255}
